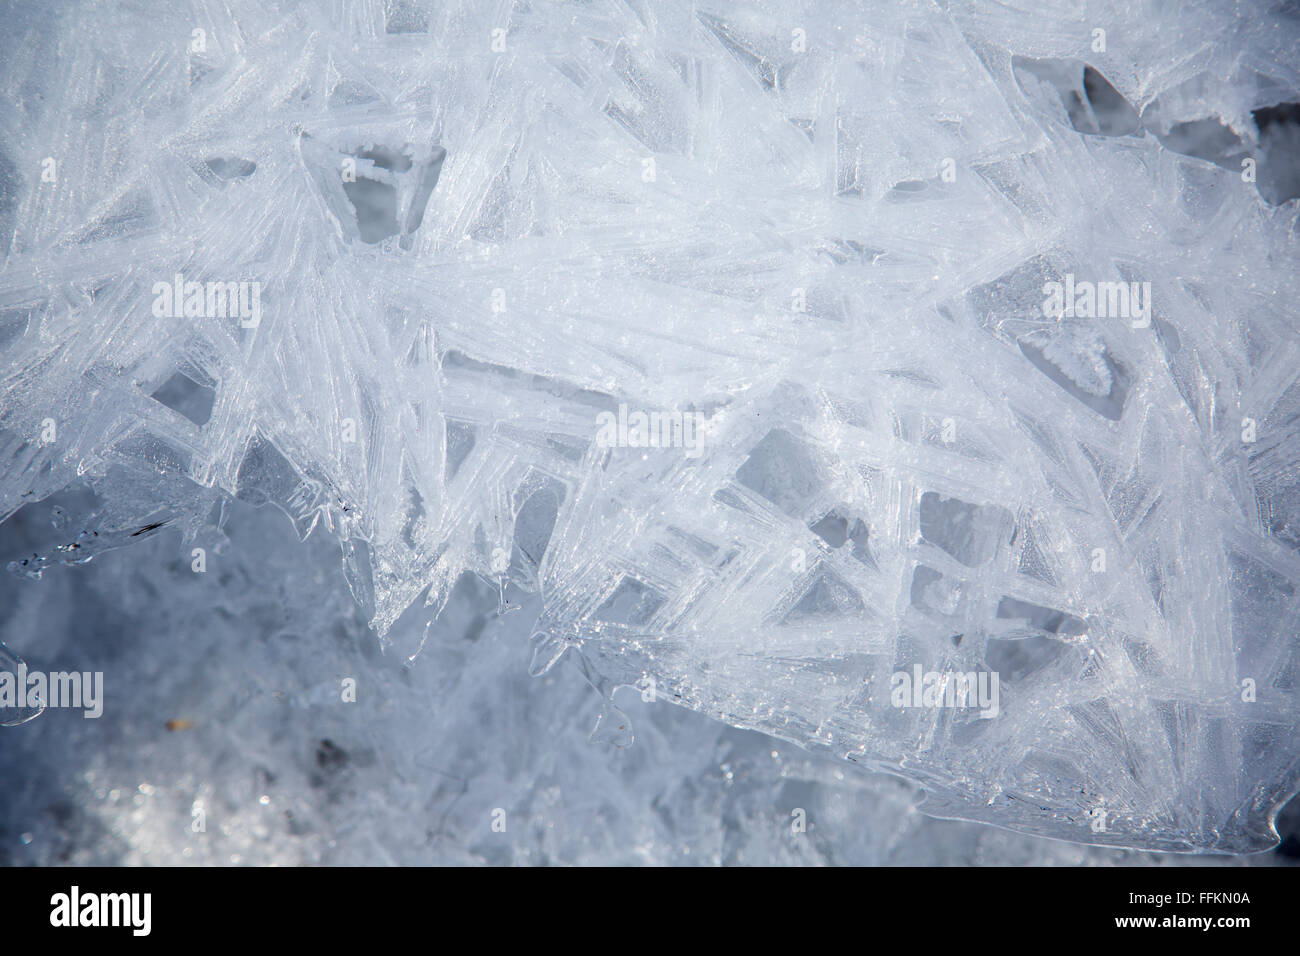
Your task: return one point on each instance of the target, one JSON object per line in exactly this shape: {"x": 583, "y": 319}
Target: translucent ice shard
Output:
{"x": 17, "y": 707}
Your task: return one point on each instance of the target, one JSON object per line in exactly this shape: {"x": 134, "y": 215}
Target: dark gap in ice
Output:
{"x": 967, "y": 532}
{"x": 1288, "y": 828}
{"x": 182, "y": 394}
{"x": 1109, "y": 406}
{"x": 829, "y": 596}
{"x": 1044, "y": 618}
{"x": 1013, "y": 660}
{"x": 424, "y": 189}
{"x": 781, "y": 469}
{"x": 375, "y": 204}
{"x": 1278, "y": 174}
{"x": 1091, "y": 102}
{"x": 922, "y": 577}
{"x": 1210, "y": 139}
{"x": 536, "y": 521}
{"x": 1115, "y": 115}
{"x": 633, "y": 603}
{"x": 382, "y": 188}
{"x": 859, "y": 534}
{"x": 385, "y": 158}
{"x": 1282, "y": 113}
{"x": 833, "y": 529}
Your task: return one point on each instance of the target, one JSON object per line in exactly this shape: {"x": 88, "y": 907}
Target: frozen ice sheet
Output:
{"x": 769, "y": 356}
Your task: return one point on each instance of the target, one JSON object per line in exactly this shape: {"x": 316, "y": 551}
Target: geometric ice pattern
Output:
{"x": 434, "y": 243}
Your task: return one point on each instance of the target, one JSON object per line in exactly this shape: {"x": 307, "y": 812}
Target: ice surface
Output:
{"x": 798, "y": 255}
{"x": 223, "y": 701}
